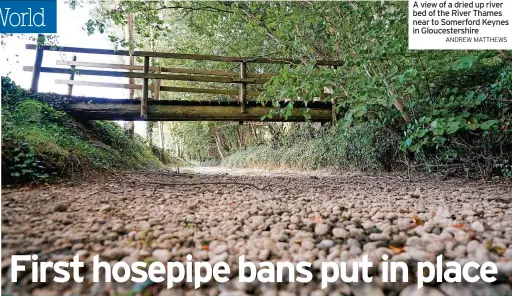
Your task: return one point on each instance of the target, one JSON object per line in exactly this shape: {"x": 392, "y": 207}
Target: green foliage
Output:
{"x": 470, "y": 127}
{"x": 39, "y": 141}
{"x": 450, "y": 108}
{"x": 364, "y": 148}
{"x": 195, "y": 138}
{"x": 25, "y": 164}
{"x": 296, "y": 82}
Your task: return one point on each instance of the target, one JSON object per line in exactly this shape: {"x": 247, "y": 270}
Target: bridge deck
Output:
{"x": 122, "y": 109}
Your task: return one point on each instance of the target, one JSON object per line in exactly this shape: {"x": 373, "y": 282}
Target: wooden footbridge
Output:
{"x": 153, "y": 109}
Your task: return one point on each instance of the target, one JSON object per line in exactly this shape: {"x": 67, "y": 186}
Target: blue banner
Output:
{"x": 28, "y": 16}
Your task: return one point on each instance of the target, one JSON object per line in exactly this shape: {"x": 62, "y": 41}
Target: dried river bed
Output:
{"x": 219, "y": 215}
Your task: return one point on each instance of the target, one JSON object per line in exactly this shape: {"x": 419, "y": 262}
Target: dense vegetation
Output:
{"x": 447, "y": 111}
{"x": 39, "y": 142}
{"x": 362, "y": 147}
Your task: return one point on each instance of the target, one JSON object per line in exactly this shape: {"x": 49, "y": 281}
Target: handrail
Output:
{"x": 197, "y": 78}
{"x": 162, "y": 88}
{"x": 183, "y": 56}
{"x": 162, "y": 69}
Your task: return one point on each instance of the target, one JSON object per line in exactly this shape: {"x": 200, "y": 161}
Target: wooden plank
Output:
{"x": 36, "y": 70}
{"x": 208, "y": 91}
{"x": 162, "y": 69}
{"x": 98, "y": 84}
{"x": 101, "y": 65}
{"x": 145, "y": 91}
{"x": 198, "y": 78}
{"x": 162, "y": 88}
{"x": 112, "y": 109}
{"x": 184, "y": 56}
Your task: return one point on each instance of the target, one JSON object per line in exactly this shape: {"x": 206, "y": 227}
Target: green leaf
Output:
{"x": 481, "y": 97}
{"x": 453, "y": 128}
{"x": 465, "y": 62}
{"x": 394, "y": 69}
{"x": 439, "y": 131}
{"x": 488, "y": 124}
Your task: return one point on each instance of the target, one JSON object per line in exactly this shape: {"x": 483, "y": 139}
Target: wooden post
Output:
{"x": 243, "y": 86}
{"x": 322, "y": 95}
{"x": 145, "y": 90}
{"x": 72, "y": 77}
{"x": 37, "y": 64}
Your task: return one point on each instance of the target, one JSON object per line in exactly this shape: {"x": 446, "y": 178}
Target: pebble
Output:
{"x": 340, "y": 233}
{"x": 321, "y": 229}
{"x": 161, "y": 255}
{"x": 219, "y": 249}
{"x": 436, "y": 247}
{"x": 404, "y": 223}
{"x": 379, "y": 237}
{"x": 105, "y": 208}
{"x": 477, "y": 226}
{"x": 326, "y": 244}
{"x": 60, "y": 207}
{"x": 308, "y": 244}
{"x": 419, "y": 255}
{"x": 119, "y": 228}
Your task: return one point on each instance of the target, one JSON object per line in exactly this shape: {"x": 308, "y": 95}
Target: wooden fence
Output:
{"x": 146, "y": 72}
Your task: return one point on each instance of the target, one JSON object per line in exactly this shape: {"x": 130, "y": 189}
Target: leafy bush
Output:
{"x": 39, "y": 142}
{"x": 460, "y": 125}
{"x": 468, "y": 128}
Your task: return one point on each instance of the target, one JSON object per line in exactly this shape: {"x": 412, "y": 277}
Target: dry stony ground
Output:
{"x": 298, "y": 217}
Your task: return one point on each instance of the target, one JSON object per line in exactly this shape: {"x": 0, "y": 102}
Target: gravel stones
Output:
{"x": 299, "y": 220}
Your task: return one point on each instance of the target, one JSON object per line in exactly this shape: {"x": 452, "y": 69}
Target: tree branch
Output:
{"x": 204, "y": 8}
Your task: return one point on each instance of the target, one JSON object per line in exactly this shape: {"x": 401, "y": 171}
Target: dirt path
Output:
{"x": 281, "y": 217}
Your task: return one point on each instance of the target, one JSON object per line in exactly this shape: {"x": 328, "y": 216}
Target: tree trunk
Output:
{"x": 130, "y": 126}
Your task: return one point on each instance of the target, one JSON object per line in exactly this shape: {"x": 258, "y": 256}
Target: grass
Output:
{"x": 39, "y": 142}
{"x": 363, "y": 147}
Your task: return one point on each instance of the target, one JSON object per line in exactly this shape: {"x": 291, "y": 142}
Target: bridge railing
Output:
{"x": 146, "y": 72}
